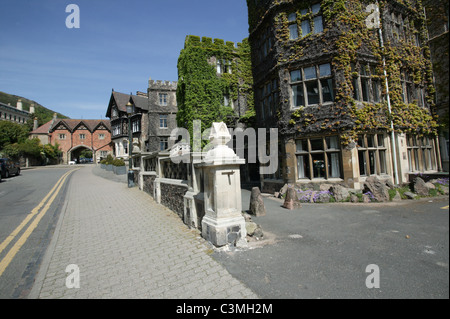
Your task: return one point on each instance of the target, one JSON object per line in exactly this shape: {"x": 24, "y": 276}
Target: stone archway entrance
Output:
{"x": 81, "y": 154}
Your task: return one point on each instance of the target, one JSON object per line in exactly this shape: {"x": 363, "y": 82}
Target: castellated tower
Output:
{"x": 162, "y": 113}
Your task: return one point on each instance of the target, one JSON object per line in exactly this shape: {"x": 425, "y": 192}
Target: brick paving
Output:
{"x": 128, "y": 246}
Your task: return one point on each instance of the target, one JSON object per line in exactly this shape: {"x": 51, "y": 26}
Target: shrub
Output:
{"x": 118, "y": 162}
{"x": 109, "y": 159}
{"x": 392, "y": 192}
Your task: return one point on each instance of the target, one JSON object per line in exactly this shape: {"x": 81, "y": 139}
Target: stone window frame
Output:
{"x": 136, "y": 125}
{"x": 307, "y": 150}
{"x": 303, "y": 81}
{"x": 367, "y": 84}
{"x": 372, "y": 154}
{"x": 421, "y": 153}
{"x": 163, "y": 143}
{"x": 305, "y": 22}
{"x": 163, "y": 99}
{"x": 101, "y": 136}
{"x": 223, "y": 66}
{"x": 403, "y": 29}
{"x": 163, "y": 121}
{"x": 411, "y": 92}
{"x": 265, "y": 44}
{"x": 62, "y": 136}
{"x": 269, "y": 97}
{"x": 82, "y": 136}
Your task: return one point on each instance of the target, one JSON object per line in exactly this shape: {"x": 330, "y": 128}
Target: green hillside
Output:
{"x": 42, "y": 113}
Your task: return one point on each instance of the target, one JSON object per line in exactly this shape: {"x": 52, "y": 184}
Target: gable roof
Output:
{"x": 122, "y": 99}
{"x": 72, "y": 124}
{"x": 43, "y": 129}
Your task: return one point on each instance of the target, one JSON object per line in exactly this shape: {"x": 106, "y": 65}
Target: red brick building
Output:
{"x": 74, "y": 136}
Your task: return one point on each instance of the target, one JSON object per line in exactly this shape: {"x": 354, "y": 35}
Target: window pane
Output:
{"x": 303, "y": 166}
{"x": 325, "y": 70}
{"x": 383, "y": 169}
{"x": 296, "y": 76}
{"x": 318, "y": 165}
{"x": 318, "y": 24}
{"x": 313, "y": 92}
{"x": 310, "y": 73}
{"x": 362, "y": 163}
{"x": 293, "y": 32}
{"x": 376, "y": 91}
{"x": 355, "y": 89}
{"x": 315, "y": 8}
{"x": 306, "y": 27}
{"x": 298, "y": 95}
{"x": 292, "y": 17}
{"x": 327, "y": 90}
{"x": 303, "y": 12}
{"x": 380, "y": 139}
{"x": 317, "y": 144}
{"x": 302, "y": 145}
{"x": 334, "y": 169}
{"x": 332, "y": 142}
{"x": 370, "y": 140}
{"x": 365, "y": 90}
{"x": 372, "y": 162}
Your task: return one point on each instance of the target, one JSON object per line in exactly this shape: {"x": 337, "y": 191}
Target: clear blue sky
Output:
{"x": 119, "y": 44}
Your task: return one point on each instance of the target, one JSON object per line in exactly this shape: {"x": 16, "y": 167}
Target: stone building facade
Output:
{"x": 14, "y": 114}
{"x": 162, "y": 114}
{"x": 319, "y": 77}
{"x": 117, "y": 113}
{"x": 437, "y": 12}
{"x": 215, "y": 83}
{"x": 153, "y": 119}
{"x": 74, "y": 136}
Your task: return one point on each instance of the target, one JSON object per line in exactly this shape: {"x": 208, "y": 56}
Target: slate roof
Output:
{"x": 43, "y": 129}
{"x": 71, "y": 125}
{"x": 122, "y": 99}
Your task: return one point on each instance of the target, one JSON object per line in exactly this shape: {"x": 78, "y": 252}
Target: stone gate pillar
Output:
{"x": 223, "y": 222}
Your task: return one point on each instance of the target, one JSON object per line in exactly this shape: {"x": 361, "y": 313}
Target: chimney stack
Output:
{"x": 32, "y": 111}
{"x": 35, "y": 123}
{"x": 19, "y": 105}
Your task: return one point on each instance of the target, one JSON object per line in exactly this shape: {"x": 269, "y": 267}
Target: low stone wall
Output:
{"x": 172, "y": 196}
{"x": 148, "y": 184}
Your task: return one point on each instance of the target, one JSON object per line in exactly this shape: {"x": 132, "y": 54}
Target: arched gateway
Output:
{"x": 75, "y": 136}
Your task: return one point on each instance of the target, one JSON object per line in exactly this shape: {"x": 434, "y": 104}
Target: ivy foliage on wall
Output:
{"x": 347, "y": 41}
{"x": 201, "y": 90}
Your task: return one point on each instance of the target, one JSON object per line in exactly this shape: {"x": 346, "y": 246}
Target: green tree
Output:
{"x": 11, "y": 133}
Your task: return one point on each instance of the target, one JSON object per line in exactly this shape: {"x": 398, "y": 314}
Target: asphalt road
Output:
{"x": 323, "y": 250}
{"x": 18, "y": 197}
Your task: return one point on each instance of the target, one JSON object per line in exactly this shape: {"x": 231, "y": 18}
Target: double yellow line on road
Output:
{"x": 44, "y": 205}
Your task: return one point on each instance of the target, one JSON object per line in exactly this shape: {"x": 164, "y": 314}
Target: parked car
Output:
{"x": 9, "y": 167}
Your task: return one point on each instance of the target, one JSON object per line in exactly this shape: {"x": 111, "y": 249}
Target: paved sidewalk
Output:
{"x": 128, "y": 246}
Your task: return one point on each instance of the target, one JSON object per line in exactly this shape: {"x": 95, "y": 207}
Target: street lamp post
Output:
{"x": 130, "y": 108}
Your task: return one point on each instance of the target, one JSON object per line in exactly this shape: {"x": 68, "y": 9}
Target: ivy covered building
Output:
{"x": 319, "y": 77}
{"x": 214, "y": 83}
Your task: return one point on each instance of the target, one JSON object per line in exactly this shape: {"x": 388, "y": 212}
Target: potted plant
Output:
{"x": 119, "y": 167}
{"x": 109, "y": 162}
